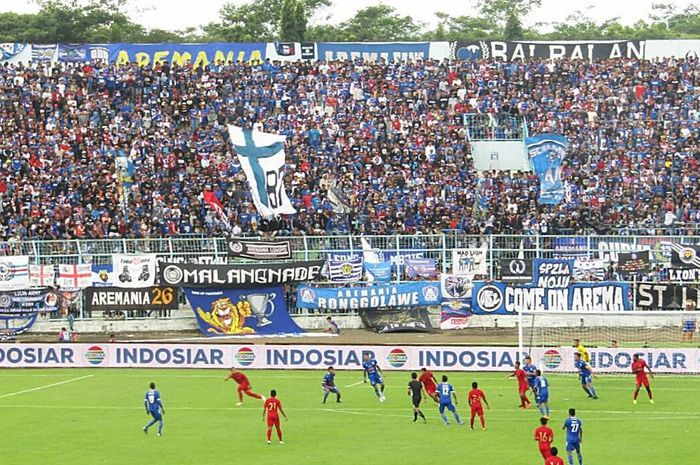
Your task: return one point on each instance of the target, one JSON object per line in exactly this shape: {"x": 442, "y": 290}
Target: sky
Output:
{"x": 179, "y": 14}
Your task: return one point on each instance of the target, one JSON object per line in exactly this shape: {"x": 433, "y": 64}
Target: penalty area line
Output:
{"x": 46, "y": 386}
{"x": 354, "y": 384}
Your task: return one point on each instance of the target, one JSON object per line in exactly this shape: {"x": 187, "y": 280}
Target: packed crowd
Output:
{"x": 390, "y": 135}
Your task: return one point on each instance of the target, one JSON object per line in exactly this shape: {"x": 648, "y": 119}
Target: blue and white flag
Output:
{"x": 44, "y": 52}
{"x": 417, "y": 294}
{"x": 347, "y": 270}
{"x": 378, "y": 272}
{"x": 262, "y": 159}
{"x": 546, "y": 153}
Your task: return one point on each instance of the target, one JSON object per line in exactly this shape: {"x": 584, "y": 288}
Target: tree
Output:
{"x": 292, "y": 21}
{"x": 380, "y": 23}
{"x": 508, "y": 15}
{"x": 463, "y": 28}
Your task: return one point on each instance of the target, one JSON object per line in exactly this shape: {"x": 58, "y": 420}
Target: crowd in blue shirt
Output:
{"x": 391, "y": 135}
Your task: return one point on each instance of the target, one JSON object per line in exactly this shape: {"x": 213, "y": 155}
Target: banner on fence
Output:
{"x": 42, "y": 275}
{"x": 394, "y": 320}
{"x": 425, "y": 268}
{"x": 134, "y": 271}
{"x": 684, "y": 256}
{"x": 347, "y": 270}
{"x": 501, "y": 299}
{"x": 343, "y": 357}
{"x": 19, "y": 309}
{"x": 455, "y": 314}
{"x": 102, "y": 275}
{"x": 14, "y": 272}
{"x": 590, "y": 269}
{"x": 260, "y": 310}
{"x": 570, "y": 247}
{"x": 659, "y": 296}
{"x": 74, "y": 276}
{"x": 236, "y": 276}
{"x": 199, "y": 54}
{"x": 564, "y": 50}
{"x": 379, "y": 272}
{"x": 455, "y": 286}
{"x": 470, "y": 261}
{"x": 516, "y": 270}
{"x": 633, "y": 262}
{"x": 553, "y": 272}
{"x": 259, "y": 250}
{"x": 115, "y": 298}
{"x": 373, "y": 51}
{"x": 418, "y": 294}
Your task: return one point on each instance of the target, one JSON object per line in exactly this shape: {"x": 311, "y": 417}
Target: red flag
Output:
{"x": 212, "y": 200}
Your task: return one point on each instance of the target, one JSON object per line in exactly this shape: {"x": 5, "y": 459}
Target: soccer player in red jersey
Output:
{"x": 243, "y": 386}
{"x": 554, "y": 459}
{"x": 521, "y": 376}
{"x": 429, "y": 383}
{"x": 273, "y": 407}
{"x": 638, "y": 367}
{"x": 544, "y": 437}
{"x": 475, "y": 397}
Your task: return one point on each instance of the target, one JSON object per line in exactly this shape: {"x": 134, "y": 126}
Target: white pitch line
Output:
{"x": 11, "y": 394}
{"x": 354, "y": 384}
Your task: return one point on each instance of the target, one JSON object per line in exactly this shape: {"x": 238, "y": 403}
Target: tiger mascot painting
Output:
{"x": 226, "y": 317}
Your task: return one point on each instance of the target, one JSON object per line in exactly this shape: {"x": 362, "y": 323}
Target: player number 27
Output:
{"x": 273, "y": 186}
{"x": 574, "y": 427}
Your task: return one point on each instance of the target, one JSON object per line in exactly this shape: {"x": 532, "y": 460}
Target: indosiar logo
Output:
{"x": 551, "y": 359}
{"x": 245, "y": 356}
{"x": 95, "y": 355}
{"x": 397, "y": 358}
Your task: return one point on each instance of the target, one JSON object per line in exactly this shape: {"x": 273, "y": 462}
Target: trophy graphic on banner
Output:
{"x": 262, "y": 306}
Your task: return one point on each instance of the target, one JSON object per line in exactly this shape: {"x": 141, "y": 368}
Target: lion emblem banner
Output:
{"x": 230, "y": 312}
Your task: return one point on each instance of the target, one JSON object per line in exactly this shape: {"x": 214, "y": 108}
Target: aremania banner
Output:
{"x": 236, "y": 276}
{"x": 241, "y": 311}
{"x": 500, "y": 299}
{"x": 419, "y": 294}
{"x": 546, "y": 153}
{"x": 343, "y": 357}
{"x": 373, "y": 51}
{"x": 115, "y": 298}
{"x": 200, "y": 54}
{"x": 262, "y": 159}
{"x": 559, "y": 50}
{"x": 259, "y": 250}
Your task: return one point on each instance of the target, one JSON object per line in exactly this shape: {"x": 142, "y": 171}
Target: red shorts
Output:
{"x": 522, "y": 389}
{"x": 545, "y": 450}
{"x": 430, "y": 390}
{"x": 244, "y": 387}
{"x": 478, "y": 411}
{"x": 642, "y": 381}
{"x": 273, "y": 421}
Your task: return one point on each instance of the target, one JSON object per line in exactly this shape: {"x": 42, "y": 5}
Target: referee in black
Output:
{"x": 415, "y": 389}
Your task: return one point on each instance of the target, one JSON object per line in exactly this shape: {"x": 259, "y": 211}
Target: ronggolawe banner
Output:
{"x": 394, "y": 320}
{"x": 115, "y": 298}
{"x": 553, "y": 272}
{"x": 516, "y": 270}
{"x": 501, "y": 299}
{"x": 419, "y": 294}
{"x": 19, "y": 309}
{"x": 222, "y": 312}
{"x": 237, "y": 276}
{"x": 658, "y": 296}
{"x": 259, "y": 250}
{"x": 569, "y": 50}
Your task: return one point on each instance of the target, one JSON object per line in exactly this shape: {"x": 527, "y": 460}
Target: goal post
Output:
{"x": 668, "y": 340}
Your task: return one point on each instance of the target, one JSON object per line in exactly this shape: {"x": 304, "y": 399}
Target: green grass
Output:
{"x": 97, "y": 420}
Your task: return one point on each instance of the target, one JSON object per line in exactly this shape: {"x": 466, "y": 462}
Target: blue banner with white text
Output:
{"x": 497, "y": 298}
{"x": 546, "y": 153}
{"x": 228, "y": 312}
{"x": 368, "y": 297}
{"x": 200, "y": 54}
{"x": 373, "y": 51}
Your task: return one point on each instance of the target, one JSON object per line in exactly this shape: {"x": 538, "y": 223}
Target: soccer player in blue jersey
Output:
{"x": 586, "y": 373}
{"x": 329, "y": 386}
{"x": 447, "y": 393}
{"x": 542, "y": 394}
{"x": 373, "y": 372}
{"x": 574, "y": 437}
{"x": 529, "y": 368}
{"x": 154, "y": 407}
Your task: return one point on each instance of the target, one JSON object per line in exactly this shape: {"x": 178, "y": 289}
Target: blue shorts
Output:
{"x": 449, "y": 406}
{"x": 542, "y": 396}
{"x": 586, "y": 379}
{"x": 157, "y": 416}
{"x": 688, "y": 326}
{"x": 573, "y": 445}
{"x": 531, "y": 382}
{"x": 375, "y": 379}
{"x": 330, "y": 388}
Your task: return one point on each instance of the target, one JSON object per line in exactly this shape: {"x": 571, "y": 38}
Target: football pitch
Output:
{"x": 83, "y": 416}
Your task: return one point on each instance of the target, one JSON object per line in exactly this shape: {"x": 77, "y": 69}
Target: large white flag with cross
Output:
{"x": 262, "y": 158}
